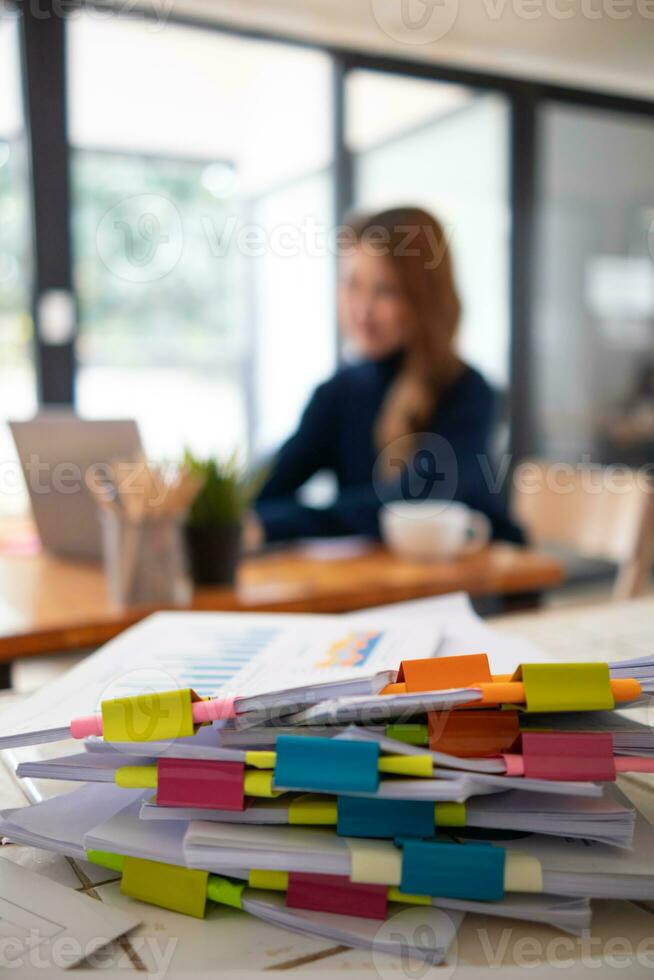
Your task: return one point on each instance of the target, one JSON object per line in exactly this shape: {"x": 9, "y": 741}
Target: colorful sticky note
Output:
{"x": 326, "y": 764}
{"x": 473, "y": 734}
{"x": 411, "y": 734}
{"x": 336, "y": 893}
{"x": 522, "y": 873}
{"x": 566, "y": 687}
{"x": 448, "y": 814}
{"x": 312, "y": 810}
{"x": 375, "y": 862}
{"x": 440, "y": 673}
{"x": 170, "y": 887}
{"x": 415, "y": 766}
{"x": 149, "y": 717}
{"x": 201, "y": 783}
{"x": 575, "y": 756}
{"x": 474, "y": 871}
{"x": 136, "y": 777}
{"x": 362, "y": 817}
{"x": 225, "y": 892}
{"x": 276, "y": 881}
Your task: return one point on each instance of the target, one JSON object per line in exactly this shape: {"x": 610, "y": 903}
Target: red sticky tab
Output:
{"x": 440, "y": 673}
{"x": 336, "y": 893}
{"x": 202, "y": 783}
{"x": 579, "y": 756}
{"x": 472, "y": 734}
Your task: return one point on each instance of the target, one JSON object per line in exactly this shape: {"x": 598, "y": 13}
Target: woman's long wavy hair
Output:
{"x": 416, "y": 245}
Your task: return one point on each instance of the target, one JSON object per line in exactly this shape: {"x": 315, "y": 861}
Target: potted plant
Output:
{"x": 214, "y": 521}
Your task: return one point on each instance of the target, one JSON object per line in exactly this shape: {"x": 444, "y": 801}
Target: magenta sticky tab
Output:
{"x": 579, "y": 756}
{"x": 203, "y": 783}
{"x": 336, "y": 893}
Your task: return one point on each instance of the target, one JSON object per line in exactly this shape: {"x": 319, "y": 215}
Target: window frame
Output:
{"x": 44, "y": 41}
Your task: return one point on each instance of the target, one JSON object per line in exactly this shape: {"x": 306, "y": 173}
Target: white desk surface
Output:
{"x": 228, "y": 941}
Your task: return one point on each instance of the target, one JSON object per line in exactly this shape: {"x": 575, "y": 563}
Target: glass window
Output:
{"x": 188, "y": 164}
{"x": 443, "y": 147}
{"x": 17, "y": 374}
{"x": 594, "y": 325}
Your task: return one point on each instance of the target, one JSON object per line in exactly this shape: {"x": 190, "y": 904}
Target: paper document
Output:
{"x": 46, "y": 926}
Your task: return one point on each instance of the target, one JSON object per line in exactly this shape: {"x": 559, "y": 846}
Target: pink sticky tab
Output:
{"x": 515, "y": 765}
{"x": 336, "y": 893}
{"x": 215, "y": 709}
{"x": 579, "y": 756}
{"x": 203, "y": 783}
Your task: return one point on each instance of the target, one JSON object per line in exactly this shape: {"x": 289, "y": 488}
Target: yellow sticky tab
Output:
{"x": 407, "y": 765}
{"x": 395, "y": 895}
{"x": 149, "y": 717}
{"x": 522, "y": 873}
{"x": 259, "y": 782}
{"x": 225, "y": 892}
{"x": 566, "y": 687}
{"x": 375, "y": 862}
{"x": 310, "y": 809}
{"x": 167, "y": 885}
{"x": 271, "y": 880}
{"x": 261, "y": 760}
{"x": 450, "y": 814}
{"x": 136, "y": 777}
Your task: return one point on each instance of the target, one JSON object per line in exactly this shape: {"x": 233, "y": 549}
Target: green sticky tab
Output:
{"x": 149, "y": 717}
{"x": 225, "y": 892}
{"x": 450, "y": 814}
{"x": 166, "y": 885}
{"x": 566, "y": 687}
{"x": 411, "y": 734}
{"x": 106, "y": 859}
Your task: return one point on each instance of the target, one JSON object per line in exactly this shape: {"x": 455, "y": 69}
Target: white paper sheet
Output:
{"x": 45, "y": 926}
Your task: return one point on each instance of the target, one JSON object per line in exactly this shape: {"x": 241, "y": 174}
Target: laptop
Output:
{"x": 55, "y": 449}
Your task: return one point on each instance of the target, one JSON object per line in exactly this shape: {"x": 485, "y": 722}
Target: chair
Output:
{"x": 595, "y": 512}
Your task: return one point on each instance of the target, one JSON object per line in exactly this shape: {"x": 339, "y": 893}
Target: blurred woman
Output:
{"x": 409, "y": 394}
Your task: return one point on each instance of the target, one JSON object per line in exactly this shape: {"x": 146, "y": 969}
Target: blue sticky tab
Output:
{"x": 473, "y": 871}
{"x": 360, "y": 817}
{"x": 328, "y": 764}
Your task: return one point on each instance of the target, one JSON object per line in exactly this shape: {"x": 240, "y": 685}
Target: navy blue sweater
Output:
{"x": 336, "y": 433}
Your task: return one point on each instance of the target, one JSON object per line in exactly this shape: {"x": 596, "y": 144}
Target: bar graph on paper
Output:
{"x": 208, "y": 661}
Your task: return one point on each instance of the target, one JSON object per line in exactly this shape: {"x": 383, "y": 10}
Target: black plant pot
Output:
{"x": 213, "y": 553}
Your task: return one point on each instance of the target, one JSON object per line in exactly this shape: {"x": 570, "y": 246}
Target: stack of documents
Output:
{"x": 338, "y": 772}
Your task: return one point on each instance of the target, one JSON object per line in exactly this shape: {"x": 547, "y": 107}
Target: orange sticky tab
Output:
{"x": 394, "y": 689}
{"x": 472, "y": 734}
{"x": 440, "y": 673}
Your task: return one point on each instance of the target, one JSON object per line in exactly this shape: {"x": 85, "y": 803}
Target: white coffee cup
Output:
{"x": 429, "y": 530}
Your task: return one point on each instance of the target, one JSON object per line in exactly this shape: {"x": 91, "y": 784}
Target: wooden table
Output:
{"x": 48, "y": 604}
